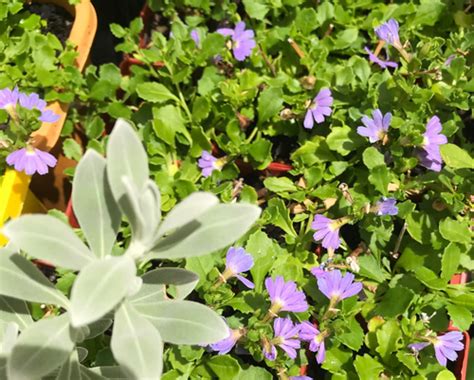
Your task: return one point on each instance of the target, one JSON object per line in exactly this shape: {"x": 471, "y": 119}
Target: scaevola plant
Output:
{"x": 107, "y": 289}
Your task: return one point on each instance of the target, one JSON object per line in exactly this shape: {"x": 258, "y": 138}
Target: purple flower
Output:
{"x": 318, "y": 271}
{"x": 32, "y": 101}
{"x": 286, "y": 337}
{"x": 284, "y": 296}
{"x": 300, "y": 378}
{"x": 242, "y": 40}
{"x": 9, "y": 98}
{"x": 432, "y": 139}
{"x": 445, "y": 346}
{"x": 208, "y": 163}
{"x": 195, "y": 37}
{"x": 327, "y": 230}
{"x": 225, "y": 345}
{"x": 48, "y": 116}
{"x": 375, "y": 129}
{"x": 383, "y": 64}
{"x": 238, "y": 261}
{"x": 320, "y": 107}
{"x": 387, "y": 206}
{"x": 31, "y": 160}
{"x": 449, "y": 60}
{"x": 389, "y": 33}
{"x": 336, "y": 287}
{"x": 311, "y": 334}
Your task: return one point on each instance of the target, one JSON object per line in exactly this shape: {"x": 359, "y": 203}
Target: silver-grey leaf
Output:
{"x": 150, "y": 208}
{"x": 218, "y": 227}
{"x": 184, "y": 322}
{"x": 40, "y": 349}
{"x": 99, "y": 287}
{"x": 9, "y": 337}
{"x": 94, "y": 204}
{"x": 126, "y": 156}
{"x": 71, "y": 369}
{"x": 20, "y": 279}
{"x": 136, "y": 345}
{"x": 15, "y": 310}
{"x": 47, "y": 238}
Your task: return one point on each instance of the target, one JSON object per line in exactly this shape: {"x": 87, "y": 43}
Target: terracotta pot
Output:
{"x": 15, "y": 197}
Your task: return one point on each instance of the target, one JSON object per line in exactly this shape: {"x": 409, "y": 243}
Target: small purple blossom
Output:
{"x": 31, "y": 160}
{"x": 32, "y": 101}
{"x": 383, "y": 64}
{"x": 301, "y": 377}
{"x": 242, "y": 40}
{"x": 327, "y": 230}
{"x": 375, "y": 129}
{"x": 311, "y": 334}
{"x": 445, "y": 346}
{"x": 286, "y": 337}
{"x": 9, "y": 98}
{"x": 225, "y": 345}
{"x": 195, "y": 37}
{"x": 449, "y": 60}
{"x": 387, "y": 206}
{"x": 389, "y": 33}
{"x": 337, "y": 287}
{"x": 284, "y": 296}
{"x": 318, "y": 271}
{"x": 208, "y": 163}
{"x": 432, "y": 139}
{"x": 320, "y": 107}
{"x": 48, "y": 116}
{"x": 238, "y": 261}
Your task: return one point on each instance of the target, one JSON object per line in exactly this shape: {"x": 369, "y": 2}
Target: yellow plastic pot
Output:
{"x": 15, "y": 196}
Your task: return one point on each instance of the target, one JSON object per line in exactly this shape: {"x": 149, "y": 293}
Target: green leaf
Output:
{"x": 456, "y": 157}
{"x": 254, "y": 373}
{"x": 394, "y": 302}
{"x": 184, "y": 322}
{"x": 278, "y": 214}
{"x": 270, "y": 102}
{"x": 99, "y": 287}
{"x": 167, "y": 121}
{"x": 429, "y": 12}
{"x": 367, "y": 367}
{"x": 429, "y": 278}
{"x": 354, "y": 337}
{"x": 371, "y": 268}
{"x": 388, "y": 338}
{"x": 455, "y": 231}
{"x": 41, "y": 348}
{"x": 72, "y": 149}
{"x": 445, "y": 374}
{"x": 94, "y": 205}
{"x": 136, "y": 345}
{"x": 461, "y": 316}
{"x": 46, "y": 237}
{"x": 126, "y": 157}
{"x": 450, "y": 260}
{"x": 225, "y": 367}
{"x": 264, "y": 252}
{"x": 343, "y": 140}
{"x": 372, "y": 158}
{"x": 256, "y": 9}
{"x": 279, "y": 184}
{"x": 380, "y": 178}
{"x": 155, "y": 92}
{"x": 306, "y": 20}
{"x": 419, "y": 226}
{"x": 218, "y": 227}
{"x": 15, "y": 310}
{"x": 21, "y": 279}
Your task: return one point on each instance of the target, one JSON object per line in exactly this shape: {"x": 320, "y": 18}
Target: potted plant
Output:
{"x": 15, "y": 197}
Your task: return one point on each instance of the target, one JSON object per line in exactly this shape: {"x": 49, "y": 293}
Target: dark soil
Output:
{"x": 59, "y": 21}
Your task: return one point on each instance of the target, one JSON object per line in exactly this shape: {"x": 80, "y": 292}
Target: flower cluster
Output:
{"x": 242, "y": 40}
{"x": 445, "y": 346}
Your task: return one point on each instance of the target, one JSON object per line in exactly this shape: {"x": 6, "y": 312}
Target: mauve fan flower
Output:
{"x": 432, "y": 139}
{"x": 327, "y": 230}
{"x": 208, "y": 163}
{"x": 301, "y": 377}
{"x": 9, "y": 98}
{"x": 389, "y": 33}
{"x": 387, "y": 206}
{"x": 225, "y": 345}
{"x": 311, "y": 334}
{"x": 242, "y": 40}
{"x": 32, "y": 101}
{"x": 318, "y": 271}
{"x": 48, "y": 116}
{"x": 286, "y": 337}
{"x": 195, "y": 37}
{"x": 337, "y": 287}
{"x": 375, "y": 129}
{"x": 320, "y": 107}
{"x": 31, "y": 160}
{"x": 445, "y": 346}
{"x": 383, "y": 64}
{"x": 238, "y": 261}
{"x": 284, "y": 296}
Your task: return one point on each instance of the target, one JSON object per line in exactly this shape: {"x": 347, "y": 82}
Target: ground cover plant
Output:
{"x": 350, "y": 124}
